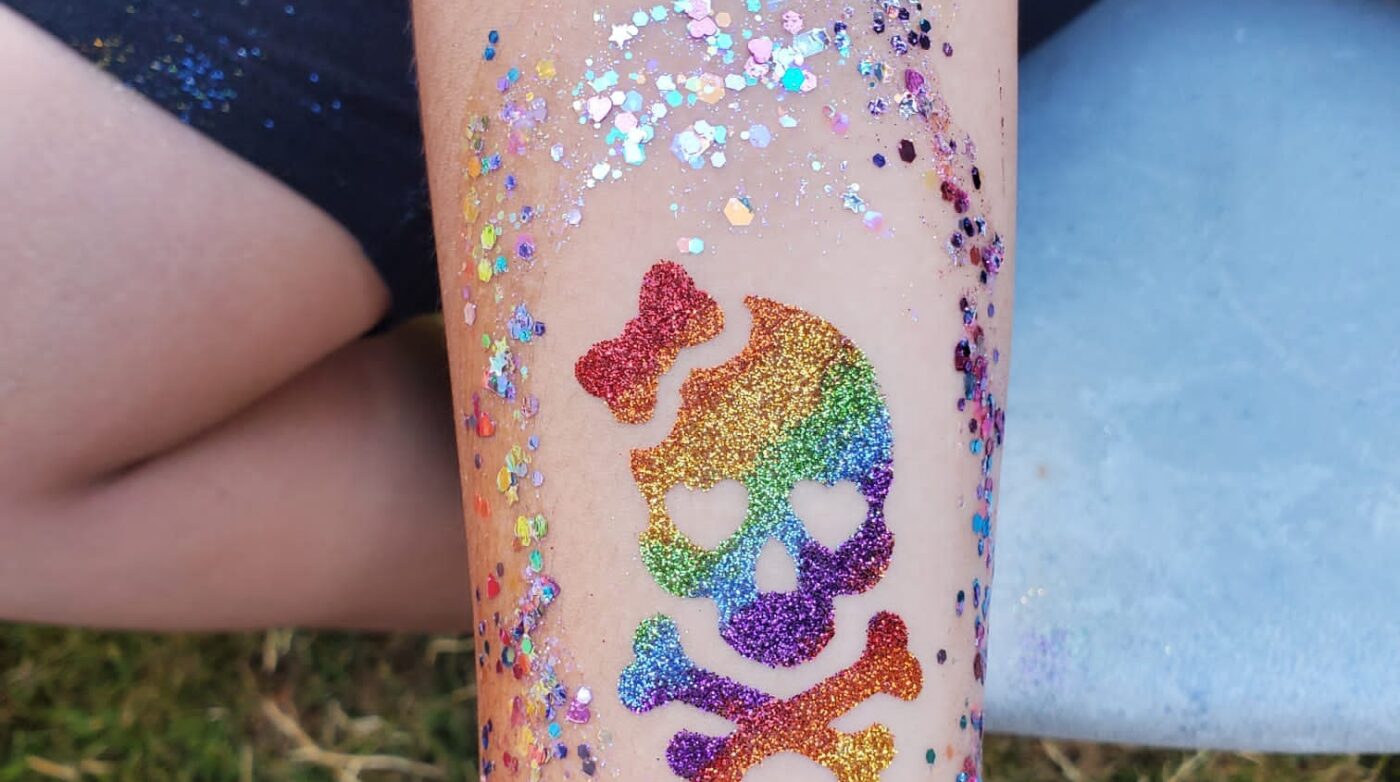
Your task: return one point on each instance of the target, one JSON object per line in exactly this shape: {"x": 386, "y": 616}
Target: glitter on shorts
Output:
{"x": 767, "y": 725}
{"x": 672, "y": 314}
{"x": 800, "y": 402}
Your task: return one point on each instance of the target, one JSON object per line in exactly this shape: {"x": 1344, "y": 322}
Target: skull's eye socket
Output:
{"x": 832, "y": 514}
{"x": 708, "y": 517}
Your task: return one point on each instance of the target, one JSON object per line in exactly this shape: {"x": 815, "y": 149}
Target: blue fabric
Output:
{"x": 1200, "y": 500}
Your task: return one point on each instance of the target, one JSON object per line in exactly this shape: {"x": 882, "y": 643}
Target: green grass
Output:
{"x": 82, "y": 705}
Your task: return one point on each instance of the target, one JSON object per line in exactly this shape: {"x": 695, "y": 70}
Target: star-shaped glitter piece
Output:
{"x": 622, "y": 33}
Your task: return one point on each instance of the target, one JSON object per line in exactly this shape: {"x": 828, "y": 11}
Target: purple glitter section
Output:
{"x": 690, "y": 753}
{"x": 788, "y": 628}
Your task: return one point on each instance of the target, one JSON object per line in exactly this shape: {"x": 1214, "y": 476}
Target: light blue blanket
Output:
{"x": 1200, "y": 521}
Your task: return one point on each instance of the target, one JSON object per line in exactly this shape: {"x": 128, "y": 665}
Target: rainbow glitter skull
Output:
{"x": 799, "y": 403}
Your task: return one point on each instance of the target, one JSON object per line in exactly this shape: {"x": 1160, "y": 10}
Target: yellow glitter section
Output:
{"x": 731, "y": 412}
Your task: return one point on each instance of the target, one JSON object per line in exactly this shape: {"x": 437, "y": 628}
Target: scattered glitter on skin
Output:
{"x": 672, "y": 314}
{"x": 800, "y": 402}
{"x": 970, "y": 242}
{"x": 766, "y": 725}
{"x": 546, "y": 714}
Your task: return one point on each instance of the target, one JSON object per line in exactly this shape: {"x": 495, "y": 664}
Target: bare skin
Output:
{"x": 895, "y": 296}
{"x": 192, "y": 432}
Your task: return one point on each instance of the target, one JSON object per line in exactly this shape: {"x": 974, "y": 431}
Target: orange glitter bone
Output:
{"x": 766, "y": 725}
{"x": 803, "y": 721}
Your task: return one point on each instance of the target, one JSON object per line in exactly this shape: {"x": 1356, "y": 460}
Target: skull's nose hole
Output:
{"x": 775, "y": 571}
{"x": 831, "y": 513}
{"x": 708, "y": 517}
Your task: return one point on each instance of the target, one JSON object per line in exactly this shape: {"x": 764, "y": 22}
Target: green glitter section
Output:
{"x": 850, "y": 402}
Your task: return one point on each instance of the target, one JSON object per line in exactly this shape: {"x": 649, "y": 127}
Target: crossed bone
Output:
{"x": 766, "y": 725}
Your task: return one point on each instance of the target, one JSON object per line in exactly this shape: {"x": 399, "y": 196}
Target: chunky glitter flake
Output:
{"x": 766, "y": 725}
{"x": 672, "y": 314}
{"x": 800, "y": 402}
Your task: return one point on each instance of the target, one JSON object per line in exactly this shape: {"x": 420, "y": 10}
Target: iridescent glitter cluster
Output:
{"x": 799, "y": 402}
{"x": 634, "y": 106}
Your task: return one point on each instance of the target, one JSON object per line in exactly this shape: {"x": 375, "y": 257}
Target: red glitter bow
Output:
{"x": 672, "y": 314}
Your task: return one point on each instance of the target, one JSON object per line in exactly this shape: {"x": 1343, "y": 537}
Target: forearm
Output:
{"x": 877, "y": 350}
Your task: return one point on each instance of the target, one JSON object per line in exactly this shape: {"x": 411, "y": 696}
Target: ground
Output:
{"x": 334, "y": 707}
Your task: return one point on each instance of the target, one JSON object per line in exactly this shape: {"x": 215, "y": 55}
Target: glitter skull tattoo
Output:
{"x": 799, "y": 402}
